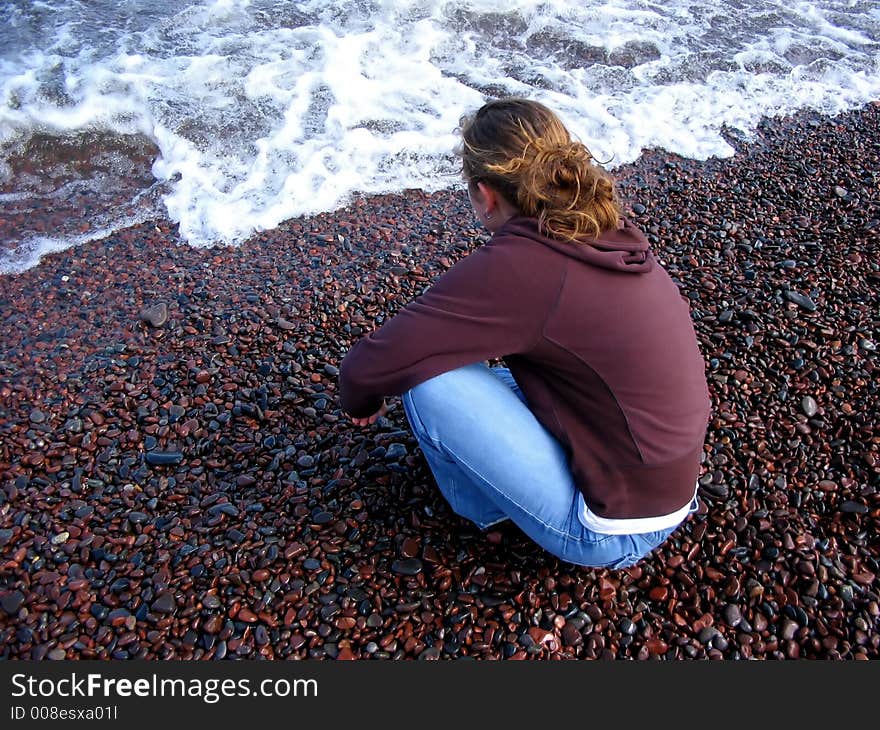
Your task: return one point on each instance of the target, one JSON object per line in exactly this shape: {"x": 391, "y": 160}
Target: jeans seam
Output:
{"x": 451, "y": 485}
{"x": 419, "y": 425}
{"x": 504, "y": 496}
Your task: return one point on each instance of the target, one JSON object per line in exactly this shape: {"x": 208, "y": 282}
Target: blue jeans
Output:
{"x": 493, "y": 460}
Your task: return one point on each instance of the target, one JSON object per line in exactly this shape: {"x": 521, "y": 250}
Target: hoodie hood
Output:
{"x": 623, "y": 249}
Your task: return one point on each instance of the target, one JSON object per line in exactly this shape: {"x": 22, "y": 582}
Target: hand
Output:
{"x": 383, "y": 409}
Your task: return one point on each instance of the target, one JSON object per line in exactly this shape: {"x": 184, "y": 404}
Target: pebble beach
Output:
{"x": 177, "y": 479}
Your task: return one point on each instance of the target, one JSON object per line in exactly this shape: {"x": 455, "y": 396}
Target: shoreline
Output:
{"x": 190, "y": 489}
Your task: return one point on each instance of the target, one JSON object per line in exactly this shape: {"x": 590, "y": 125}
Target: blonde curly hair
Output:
{"x": 523, "y": 150}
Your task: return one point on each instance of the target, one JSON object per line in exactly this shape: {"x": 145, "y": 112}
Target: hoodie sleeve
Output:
{"x": 480, "y": 309}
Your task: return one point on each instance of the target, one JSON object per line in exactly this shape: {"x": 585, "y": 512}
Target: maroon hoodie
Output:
{"x": 598, "y": 338}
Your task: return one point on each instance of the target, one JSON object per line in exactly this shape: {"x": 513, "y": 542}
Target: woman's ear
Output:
{"x": 488, "y": 197}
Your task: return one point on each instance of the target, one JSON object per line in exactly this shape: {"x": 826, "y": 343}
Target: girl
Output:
{"x": 590, "y": 439}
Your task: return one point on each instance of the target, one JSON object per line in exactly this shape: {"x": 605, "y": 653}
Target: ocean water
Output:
{"x": 229, "y": 116}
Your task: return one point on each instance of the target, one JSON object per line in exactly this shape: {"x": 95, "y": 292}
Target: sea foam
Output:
{"x": 263, "y": 110}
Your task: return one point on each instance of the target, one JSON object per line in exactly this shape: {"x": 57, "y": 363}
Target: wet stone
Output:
{"x": 11, "y": 602}
{"x": 802, "y": 300}
{"x": 120, "y": 585}
{"x": 155, "y": 315}
{"x": 571, "y": 636}
{"x": 164, "y": 603}
{"x": 395, "y": 452}
{"x": 732, "y": 615}
{"x": 797, "y": 614}
{"x": 628, "y": 627}
{"x": 223, "y": 508}
{"x": 245, "y": 614}
{"x": 716, "y": 491}
{"x": 235, "y": 536}
{"x": 809, "y": 406}
{"x": 853, "y": 508}
{"x": 163, "y": 457}
{"x": 294, "y": 549}
{"x": 410, "y": 547}
{"x": 118, "y": 616}
{"x": 409, "y": 566}
{"x": 707, "y": 634}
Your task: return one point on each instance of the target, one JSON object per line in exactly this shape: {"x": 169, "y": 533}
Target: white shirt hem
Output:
{"x": 633, "y": 525}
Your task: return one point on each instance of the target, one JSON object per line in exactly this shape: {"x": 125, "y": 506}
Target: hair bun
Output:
{"x": 548, "y": 151}
{"x": 561, "y": 164}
